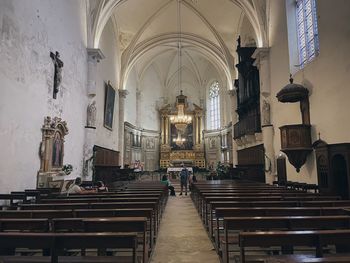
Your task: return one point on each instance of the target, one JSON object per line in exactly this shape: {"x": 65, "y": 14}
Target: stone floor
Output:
{"x": 182, "y": 237}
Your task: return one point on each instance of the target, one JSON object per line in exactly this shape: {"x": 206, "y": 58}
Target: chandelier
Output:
{"x": 179, "y": 140}
{"x": 180, "y": 120}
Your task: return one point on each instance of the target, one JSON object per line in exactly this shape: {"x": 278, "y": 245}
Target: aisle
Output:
{"x": 182, "y": 237}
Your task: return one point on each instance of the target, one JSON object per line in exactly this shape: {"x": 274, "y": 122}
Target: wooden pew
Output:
{"x": 236, "y": 224}
{"x": 13, "y": 197}
{"x": 315, "y": 238}
{"x": 126, "y": 212}
{"x": 282, "y": 195}
{"x": 57, "y": 242}
{"x": 222, "y": 212}
{"x": 106, "y": 205}
{"x": 259, "y": 200}
{"x": 119, "y": 224}
{"x": 336, "y": 258}
{"x": 36, "y": 213}
{"x": 215, "y": 204}
{"x": 24, "y": 224}
{"x": 83, "y": 213}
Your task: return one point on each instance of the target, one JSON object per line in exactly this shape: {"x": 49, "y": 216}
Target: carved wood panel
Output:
{"x": 106, "y": 157}
{"x": 251, "y": 156}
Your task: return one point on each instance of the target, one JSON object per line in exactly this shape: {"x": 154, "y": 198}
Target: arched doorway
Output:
{"x": 340, "y": 175}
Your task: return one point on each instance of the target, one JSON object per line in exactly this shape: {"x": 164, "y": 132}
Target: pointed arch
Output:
{"x": 201, "y": 45}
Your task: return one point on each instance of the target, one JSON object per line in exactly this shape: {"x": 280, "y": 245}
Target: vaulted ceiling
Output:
{"x": 149, "y": 33}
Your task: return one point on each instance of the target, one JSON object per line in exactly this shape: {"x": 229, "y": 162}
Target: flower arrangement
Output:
{"x": 67, "y": 168}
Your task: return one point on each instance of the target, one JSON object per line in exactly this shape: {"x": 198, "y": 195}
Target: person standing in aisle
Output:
{"x": 184, "y": 177}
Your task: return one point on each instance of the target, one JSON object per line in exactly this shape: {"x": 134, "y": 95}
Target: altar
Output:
{"x": 181, "y": 134}
{"x": 178, "y": 169}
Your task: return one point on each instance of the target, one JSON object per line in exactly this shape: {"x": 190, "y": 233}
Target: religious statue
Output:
{"x": 266, "y": 113}
{"x": 58, "y": 72}
{"x": 57, "y": 150}
{"x": 91, "y": 115}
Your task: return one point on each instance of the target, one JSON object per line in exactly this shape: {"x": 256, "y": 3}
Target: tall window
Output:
{"x": 307, "y": 31}
{"x": 214, "y": 105}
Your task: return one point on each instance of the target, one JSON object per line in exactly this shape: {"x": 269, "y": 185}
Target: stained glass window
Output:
{"x": 214, "y": 105}
{"x": 307, "y": 31}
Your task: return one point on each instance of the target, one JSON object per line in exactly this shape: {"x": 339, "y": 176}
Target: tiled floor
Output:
{"x": 182, "y": 237}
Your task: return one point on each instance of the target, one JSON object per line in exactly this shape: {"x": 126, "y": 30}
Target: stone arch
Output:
{"x": 201, "y": 45}
{"x": 254, "y": 10}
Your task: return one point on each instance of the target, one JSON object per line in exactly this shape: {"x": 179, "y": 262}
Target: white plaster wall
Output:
{"x": 189, "y": 88}
{"x": 130, "y": 101}
{"x": 107, "y": 71}
{"x": 246, "y": 32}
{"x": 151, "y": 92}
{"x": 226, "y": 97}
{"x": 326, "y": 77}
{"x": 29, "y": 30}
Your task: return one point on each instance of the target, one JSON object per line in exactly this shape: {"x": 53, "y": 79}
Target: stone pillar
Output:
{"x": 138, "y": 107}
{"x": 94, "y": 56}
{"x": 168, "y": 130}
{"x": 268, "y": 133}
{"x": 262, "y": 62}
{"x": 122, "y": 96}
{"x": 201, "y": 128}
{"x": 196, "y": 123}
{"x": 162, "y": 123}
{"x": 233, "y": 95}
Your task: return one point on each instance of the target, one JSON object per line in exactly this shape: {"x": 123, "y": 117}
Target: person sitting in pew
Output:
{"x": 167, "y": 182}
{"x": 77, "y": 189}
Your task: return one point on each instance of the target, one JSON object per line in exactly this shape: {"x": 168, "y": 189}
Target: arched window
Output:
{"x": 307, "y": 30}
{"x": 214, "y": 101}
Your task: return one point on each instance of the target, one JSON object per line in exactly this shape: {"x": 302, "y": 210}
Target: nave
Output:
{"x": 182, "y": 237}
{"x": 220, "y": 220}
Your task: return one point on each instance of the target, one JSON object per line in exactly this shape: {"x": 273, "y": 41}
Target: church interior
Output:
{"x": 246, "y": 98}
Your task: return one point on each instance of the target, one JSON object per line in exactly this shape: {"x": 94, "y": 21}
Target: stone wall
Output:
{"x": 327, "y": 77}
{"x": 29, "y": 30}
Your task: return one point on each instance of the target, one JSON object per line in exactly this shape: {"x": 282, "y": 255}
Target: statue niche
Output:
{"x": 91, "y": 115}
{"x": 51, "y": 150}
{"x": 57, "y": 150}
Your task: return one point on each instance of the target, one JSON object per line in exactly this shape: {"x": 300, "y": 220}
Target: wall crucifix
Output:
{"x": 58, "y": 63}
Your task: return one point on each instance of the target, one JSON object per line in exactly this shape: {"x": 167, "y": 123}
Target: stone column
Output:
{"x": 201, "y": 128}
{"x": 162, "y": 123}
{"x": 196, "y": 121}
{"x": 122, "y": 96}
{"x": 262, "y": 61}
{"x": 138, "y": 107}
{"x": 233, "y": 95}
{"x": 168, "y": 131}
{"x": 94, "y": 56}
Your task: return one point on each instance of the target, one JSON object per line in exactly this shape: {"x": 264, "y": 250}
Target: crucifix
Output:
{"x": 58, "y": 72}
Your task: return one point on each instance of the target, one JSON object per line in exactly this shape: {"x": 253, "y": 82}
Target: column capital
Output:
{"x": 123, "y": 93}
{"x": 95, "y": 54}
{"x": 260, "y": 54}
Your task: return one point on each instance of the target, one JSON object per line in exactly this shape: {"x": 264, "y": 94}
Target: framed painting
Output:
{"x": 109, "y": 106}
{"x": 187, "y": 135}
